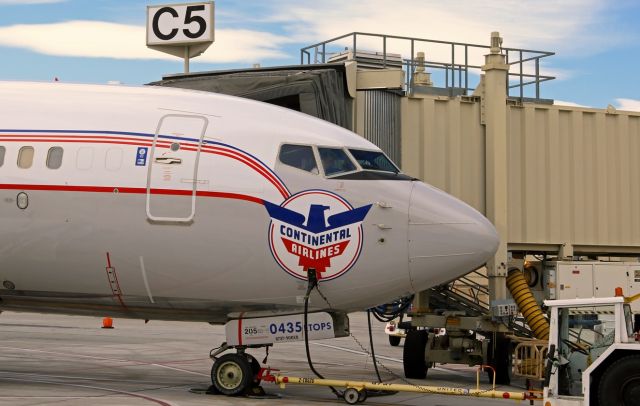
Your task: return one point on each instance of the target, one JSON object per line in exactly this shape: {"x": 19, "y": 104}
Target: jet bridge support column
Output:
{"x": 494, "y": 118}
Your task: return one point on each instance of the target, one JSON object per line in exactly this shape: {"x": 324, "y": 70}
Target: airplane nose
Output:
{"x": 447, "y": 237}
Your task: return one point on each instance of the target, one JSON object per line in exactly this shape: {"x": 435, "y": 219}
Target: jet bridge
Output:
{"x": 557, "y": 181}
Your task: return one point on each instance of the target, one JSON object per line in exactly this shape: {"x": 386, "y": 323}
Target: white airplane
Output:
{"x": 157, "y": 203}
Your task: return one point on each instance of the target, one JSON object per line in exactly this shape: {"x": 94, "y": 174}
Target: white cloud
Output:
{"x": 100, "y": 39}
{"x": 570, "y": 25}
{"x": 567, "y": 103}
{"x": 628, "y": 104}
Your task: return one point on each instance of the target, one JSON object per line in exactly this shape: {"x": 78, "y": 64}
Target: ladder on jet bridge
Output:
{"x": 470, "y": 294}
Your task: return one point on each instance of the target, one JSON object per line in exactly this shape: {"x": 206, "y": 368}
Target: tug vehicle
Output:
{"x": 593, "y": 353}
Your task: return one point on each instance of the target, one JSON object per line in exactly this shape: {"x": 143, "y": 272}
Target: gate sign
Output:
{"x": 180, "y": 24}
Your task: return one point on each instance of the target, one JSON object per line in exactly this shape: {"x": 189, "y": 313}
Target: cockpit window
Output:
{"x": 335, "y": 161}
{"x": 373, "y": 160}
{"x": 299, "y": 156}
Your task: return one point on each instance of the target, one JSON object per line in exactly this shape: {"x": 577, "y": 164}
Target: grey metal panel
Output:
{"x": 574, "y": 173}
{"x": 320, "y": 90}
{"x": 381, "y": 121}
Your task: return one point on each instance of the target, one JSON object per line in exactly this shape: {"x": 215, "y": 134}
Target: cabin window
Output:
{"x": 84, "y": 158}
{"x": 373, "y": 161}
{"x": 335, "y": 161}
{"x": 299, "y": 156}
{"x": 113, "y": 159}
{"x": 54, "y": 157}
{"x": 25, "y": 157}
{"x": 2, "y": 152}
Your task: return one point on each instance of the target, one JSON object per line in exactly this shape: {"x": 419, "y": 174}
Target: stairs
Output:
{"x": 470, "y": 294}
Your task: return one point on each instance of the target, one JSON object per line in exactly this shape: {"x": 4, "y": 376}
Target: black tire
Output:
{"x": 620, "y": 383}
{"x": 232, "y": 374}
{"x": 413, "y": 361}
{"x": 500, "y": 360}
{"x": 351, "y": 396}
{"x": 255, "y": 368}
{"x": 362, "y": 396}
{"x": 394, "y": 340}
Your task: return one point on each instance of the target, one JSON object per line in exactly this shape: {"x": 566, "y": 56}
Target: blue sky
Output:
{"x": 597, "y": 43}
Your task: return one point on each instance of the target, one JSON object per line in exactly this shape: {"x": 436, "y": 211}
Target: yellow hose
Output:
{"x": 527, "y": 304}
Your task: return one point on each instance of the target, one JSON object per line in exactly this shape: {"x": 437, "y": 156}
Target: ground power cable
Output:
{"x": 312, "y": 282}
{"x": 387, "y": 369}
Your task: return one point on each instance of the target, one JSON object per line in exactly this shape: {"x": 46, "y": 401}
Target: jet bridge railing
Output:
{"x": 454, "y": 65}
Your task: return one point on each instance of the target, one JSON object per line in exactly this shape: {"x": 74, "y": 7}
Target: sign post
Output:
{"x": 183, "y": 30}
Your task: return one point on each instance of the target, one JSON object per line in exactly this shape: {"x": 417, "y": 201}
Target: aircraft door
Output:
{"x": 172, "y": 177}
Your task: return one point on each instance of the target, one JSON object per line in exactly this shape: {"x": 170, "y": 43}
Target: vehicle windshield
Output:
{"x": 373, "y": 161}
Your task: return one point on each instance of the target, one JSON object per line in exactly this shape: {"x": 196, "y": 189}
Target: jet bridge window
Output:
{"x": 54, "y": 157}
{"x": 2, "y": 152}
{"x": 335, "y": 161}
{"x": 373, "y": 160}
{"x": 299, "y": 156}
{"x": 25, "y": 157}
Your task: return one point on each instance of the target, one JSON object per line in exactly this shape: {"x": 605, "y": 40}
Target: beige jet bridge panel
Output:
{"x": 574, "y": 176}
{"x": 573, "y": 173}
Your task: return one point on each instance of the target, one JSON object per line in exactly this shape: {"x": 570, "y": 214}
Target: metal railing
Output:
{"x": 455, "y": 73}
{"x": 474, "y": 287}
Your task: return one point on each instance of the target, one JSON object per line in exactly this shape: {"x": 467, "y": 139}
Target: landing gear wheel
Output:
{"x": 351, "y": 396}
{"x": 499, "y": 357}
{"x": 413, "y": 361}
{"x": 362, "y": 396}
{"x": 232, "y": 374}
{"x": 620, "y": 383}
{"x": 394, "y": 340}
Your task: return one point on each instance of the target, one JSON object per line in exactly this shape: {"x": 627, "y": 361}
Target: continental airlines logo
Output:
{"x": 316, "y": 229}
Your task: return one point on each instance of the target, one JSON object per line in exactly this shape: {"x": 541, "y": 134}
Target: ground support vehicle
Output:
{"x": 455, "y": 337}
{"x": 593, "y": 358}
{"x": 395, "y": 332}
{"x": 461, "y": 344}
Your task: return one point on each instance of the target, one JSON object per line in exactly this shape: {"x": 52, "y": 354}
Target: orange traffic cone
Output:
{"x": 107, "y": 322}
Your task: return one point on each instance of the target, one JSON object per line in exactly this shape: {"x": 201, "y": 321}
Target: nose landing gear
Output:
{"x": 231, "y": 374}
{"x": 235, "y": 374}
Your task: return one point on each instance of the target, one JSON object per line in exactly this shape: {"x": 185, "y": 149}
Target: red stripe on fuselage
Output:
{"x": 130, "y": 190}
{"x": 212, "y": 149}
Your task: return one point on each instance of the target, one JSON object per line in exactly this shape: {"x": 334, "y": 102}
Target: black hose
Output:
{"x": 373, "y": 352}
{"x": 312, "y": 283}
{"x": 375, "y": 363}
{"x": 387, "y": 312}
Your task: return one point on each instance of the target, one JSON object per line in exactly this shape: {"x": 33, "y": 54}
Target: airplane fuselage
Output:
{"x": 153, "y": 203}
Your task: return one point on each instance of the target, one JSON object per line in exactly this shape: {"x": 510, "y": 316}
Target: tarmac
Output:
{"x": 71, "y": 360}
